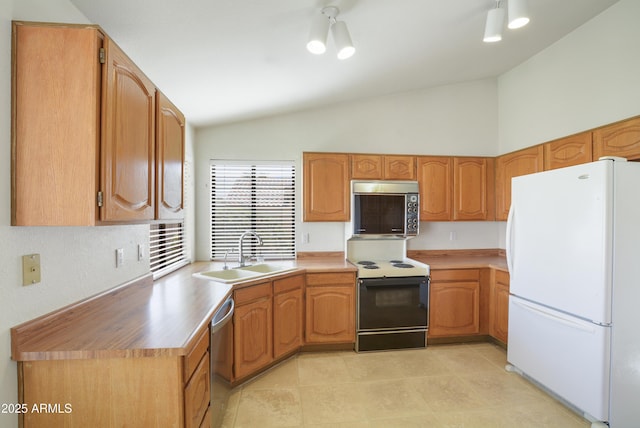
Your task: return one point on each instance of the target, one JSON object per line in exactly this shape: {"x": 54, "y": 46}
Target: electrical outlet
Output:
{"x": 30, "y": 269}
{"x": 140, "y": 252}
{"x": 453, "y": 235}
{"x": 119, "y": 257}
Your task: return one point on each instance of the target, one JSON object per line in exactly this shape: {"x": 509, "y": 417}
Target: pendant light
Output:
{"x": 494, "y": 25}
{"x": 518, "y": 14}
{"x": 317, "y": 43}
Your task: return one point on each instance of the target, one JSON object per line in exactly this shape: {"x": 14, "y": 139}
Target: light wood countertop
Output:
{"x": 144, "y": 318}
{"x": 141, "y": 318}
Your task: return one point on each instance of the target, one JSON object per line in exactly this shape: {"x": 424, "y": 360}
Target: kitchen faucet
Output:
{"x": 240, "y": 249}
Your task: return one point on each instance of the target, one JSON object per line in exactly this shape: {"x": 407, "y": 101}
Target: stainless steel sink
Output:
{"x": 230, "y": 276}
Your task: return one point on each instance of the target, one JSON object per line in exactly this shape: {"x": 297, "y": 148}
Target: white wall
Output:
{"x": 589, "y": 78}
{"x": 76, "y": 262}
{"x": 448, "y": 120}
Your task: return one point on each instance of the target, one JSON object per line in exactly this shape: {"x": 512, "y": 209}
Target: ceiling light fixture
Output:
{"x": 518, "y": 14}
{"x": 518, "y": 17}
{"x": 494, "y": 25}
{"x": 320, "y": 25}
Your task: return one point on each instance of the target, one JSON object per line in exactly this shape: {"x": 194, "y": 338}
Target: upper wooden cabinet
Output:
{"x": 618, "y": 139}
{"x": 169, "y": 159}
{"x": 326, "y": 187}
{"x": 568, "y": 151}
{"x": 473, "y": 188}
{"x": 435, "y": 176}
{"x": 367, "y": 167}
{"x": 84, "y": 140}
{"x": 382, "y": 167}
{"x": 128, "y": 143}
{"x": 511, "y": 165}
{"x": 399, "y": 167}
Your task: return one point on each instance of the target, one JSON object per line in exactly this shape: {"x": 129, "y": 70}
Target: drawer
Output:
{"x": 455, "y": 275}
{"x": 502, "y": 276}
{"x": 286, "y": 284}
{"x": 333, "y": 278}
{"x": 197, "y": 394}
{"x": 254, "y": 292}
{"x": 194, "y": 356}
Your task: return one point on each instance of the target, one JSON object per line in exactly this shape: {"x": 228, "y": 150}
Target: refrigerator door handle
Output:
{"x": 509, "y": 240}
{"x": 572, "y": 323}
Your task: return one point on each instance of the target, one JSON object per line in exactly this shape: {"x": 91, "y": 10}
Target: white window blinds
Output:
{"x": 253, "y": 196}
{"x": 166, "y": 248}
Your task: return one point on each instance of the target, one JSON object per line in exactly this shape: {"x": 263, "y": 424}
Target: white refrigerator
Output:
{"x": 573, "y": 253}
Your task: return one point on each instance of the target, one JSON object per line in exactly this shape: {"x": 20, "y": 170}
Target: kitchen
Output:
{"x": 540, "y": 100}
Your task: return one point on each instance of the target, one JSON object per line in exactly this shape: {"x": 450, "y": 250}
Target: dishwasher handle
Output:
{"x": 219, "y": 320}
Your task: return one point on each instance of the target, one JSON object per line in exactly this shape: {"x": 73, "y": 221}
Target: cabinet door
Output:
{"x": 568, "y": 151}
{"x": 288, "y": 318}
{"x": 399, "y": 167}
{"x": 169, "y": 159}
{"x": 435, "y": 179}
{"x": 253, "y": 329}
{"x": 455, "y": 302}
{"x": 619, "y": 139}
{"x": 197, "y": 394}
{"x": 55, "y": 123}
{"x": 367, "y": 167}
{"x": 330, "y": 314}
{"x": 473, "y": 188}
{"x": 326, "y": 187}
{"x": 511, "y": 165}
{"x": 499, "y": 306}
{"x": 128, "y": 144}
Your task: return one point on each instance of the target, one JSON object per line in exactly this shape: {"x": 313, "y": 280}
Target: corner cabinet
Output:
{"x": 84, "y": 131}
{"x": 330, "y": 308}
{"x": 326, "y": 187}
{"x": 511, "y": 165}
{"x": 288, "y": 320}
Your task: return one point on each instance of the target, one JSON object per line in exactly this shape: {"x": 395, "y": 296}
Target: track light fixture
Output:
{"x": 518, "y": 17}
{"x": 320, "y": 26}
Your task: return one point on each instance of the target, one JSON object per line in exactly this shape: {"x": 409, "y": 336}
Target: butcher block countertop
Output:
{"x": 141, "y": 318}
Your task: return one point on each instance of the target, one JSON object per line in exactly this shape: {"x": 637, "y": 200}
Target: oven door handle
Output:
{"x": 395, "y": 282}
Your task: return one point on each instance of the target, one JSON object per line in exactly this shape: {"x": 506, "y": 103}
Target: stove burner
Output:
{"x": 395, "y": 262}
{"x": 371, "y": 266}
{"x": 366, "y": 263}
{"x": 402, "y": 265}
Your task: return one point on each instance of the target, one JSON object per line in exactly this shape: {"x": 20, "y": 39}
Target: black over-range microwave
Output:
{"x": 385, "y": 208}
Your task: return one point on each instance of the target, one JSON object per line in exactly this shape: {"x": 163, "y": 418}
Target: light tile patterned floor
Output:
{"x": 440, "y": 386}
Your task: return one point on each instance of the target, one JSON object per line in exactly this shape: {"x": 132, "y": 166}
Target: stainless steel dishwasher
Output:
{"x": 221, "y": 358}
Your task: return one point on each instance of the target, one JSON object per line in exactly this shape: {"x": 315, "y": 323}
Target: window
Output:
{"x": 257, "y": 196}
{"x": 166, "y": 248}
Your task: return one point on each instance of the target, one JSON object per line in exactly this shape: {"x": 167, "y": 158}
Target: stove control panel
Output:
{"x": 413, "y": 213}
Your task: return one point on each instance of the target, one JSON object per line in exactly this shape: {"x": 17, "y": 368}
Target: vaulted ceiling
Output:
{"x": 228, "y": 60}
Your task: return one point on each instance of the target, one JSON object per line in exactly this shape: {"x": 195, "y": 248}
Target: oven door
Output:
{"x": 393, "y": 303}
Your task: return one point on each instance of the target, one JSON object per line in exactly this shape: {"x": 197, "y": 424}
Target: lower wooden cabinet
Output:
{"x": 499, "y": 306}
{"x": 454, "y": 307}
{"x": 155, "y": 391}
{"x": 252, "y": 329}
{"x": 330, "y": 308}
{"x": 288, "y": 308}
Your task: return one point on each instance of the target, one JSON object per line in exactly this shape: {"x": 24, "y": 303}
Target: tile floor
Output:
{"x": 440, "y": 386}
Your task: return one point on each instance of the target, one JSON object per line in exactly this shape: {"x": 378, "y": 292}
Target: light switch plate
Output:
{"x": 30, "y": 269}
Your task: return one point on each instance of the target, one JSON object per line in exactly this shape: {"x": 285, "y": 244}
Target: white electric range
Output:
{"x": 392, "y": 295}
